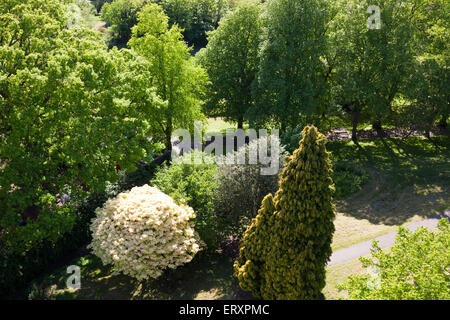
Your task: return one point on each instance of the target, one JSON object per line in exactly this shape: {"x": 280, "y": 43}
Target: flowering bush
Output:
{"x": 142, "y": 232}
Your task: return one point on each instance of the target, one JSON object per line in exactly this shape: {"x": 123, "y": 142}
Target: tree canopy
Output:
{"x": 179, "y": 82}
{"x": 231, "y": 59}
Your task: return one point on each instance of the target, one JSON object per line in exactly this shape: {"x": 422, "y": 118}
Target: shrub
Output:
{"x": 416, "y": 268}
{"x": 285, "y": 250}
{"x": 193, "y": 183}
{"x": 142, "y": 232}
{"x": 240, "y": 189}
{"x": 348, "y": 179}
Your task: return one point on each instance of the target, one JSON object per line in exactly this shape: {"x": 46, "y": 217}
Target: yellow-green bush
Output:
{"x": 285, "y": 250}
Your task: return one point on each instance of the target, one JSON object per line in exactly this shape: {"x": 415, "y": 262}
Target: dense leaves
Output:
{"x": 194, "y": 184}
{"x": 415, "y": 268}
{"x": 291, "y": 76}
{"x": 65, "y": 123}
{"x": 195, "y": 17}
{"x": 286, "y": 248}
{"x": 231, "y": 59}
{"x": 121, "y": 16}
{"x": 179, "y": 82}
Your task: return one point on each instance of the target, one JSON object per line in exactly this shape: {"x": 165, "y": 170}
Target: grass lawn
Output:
{"x": 207, "y": 277}
{"x": 218, "y": 125}
{"x": 336, "y": 275}
{"x": 404, "y": 185}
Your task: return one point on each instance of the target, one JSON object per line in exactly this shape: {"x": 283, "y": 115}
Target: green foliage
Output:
{"x": 121, "y": 16}
{"x": 348, "y": 178}
{"x": 231, "y": 60}
{"x": 194, "y": 17}
{"x": 288, "y": 83}
{"x": 427, "y": 97}
{"x": 291, "y": 137}
{"x": 285, "y": 250}
{"x": 67, "y": 119}
{"x": 193, "y": 183}
{"x": 240, "y": 188}
{"x": 416, "y": 268}
{"x": 385, "y": 56}
{"x": 98, "y": 4}
{"x": 17, "y": 269}
{"x": 179, "y": 82}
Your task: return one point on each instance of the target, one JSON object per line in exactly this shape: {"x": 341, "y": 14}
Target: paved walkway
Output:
{"x": 385, "y": 240}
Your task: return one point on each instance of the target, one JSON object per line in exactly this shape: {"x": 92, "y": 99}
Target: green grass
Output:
{"x": 338, "y": 274}
{"x": 406, "y": 181}
{"x": 218, "y": 125}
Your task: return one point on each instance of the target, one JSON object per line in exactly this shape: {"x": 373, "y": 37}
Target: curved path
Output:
{"x": 385, "y": 240}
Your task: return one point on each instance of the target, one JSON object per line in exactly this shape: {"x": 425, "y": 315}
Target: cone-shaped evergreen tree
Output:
{"x": 285, "y": 250}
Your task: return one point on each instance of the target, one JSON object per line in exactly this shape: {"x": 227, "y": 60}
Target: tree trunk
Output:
{"x": 169, "y": 139}
{"x": 356, "y": 112}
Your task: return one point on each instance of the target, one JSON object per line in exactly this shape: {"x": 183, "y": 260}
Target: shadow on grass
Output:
{"x": 207, "y": 276}
{"x": 402, "y": 183}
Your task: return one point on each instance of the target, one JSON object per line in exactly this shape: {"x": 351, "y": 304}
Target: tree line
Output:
{"x": 288, "y": 62}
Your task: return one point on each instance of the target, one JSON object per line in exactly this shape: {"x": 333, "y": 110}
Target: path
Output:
{"x": 386, "y": 240}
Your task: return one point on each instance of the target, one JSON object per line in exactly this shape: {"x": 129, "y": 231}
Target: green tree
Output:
{"x": 231, "y": 60}
{"x": 195, "y": 17}
{"x": 65, "y": 124}
{"x": 426, "y": 97}
{"x": 285, "y": 250}
{"x": 121, "y": 16}
{"x": 179, "y": 82}
{"x": 416, "y": 268}
{"x": 429, "y": 85}
{"x": 291, "y": 77}
{"x": 371, "y": 66}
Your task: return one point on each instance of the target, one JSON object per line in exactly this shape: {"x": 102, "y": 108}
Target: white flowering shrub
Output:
{"x": 142, "y": 232}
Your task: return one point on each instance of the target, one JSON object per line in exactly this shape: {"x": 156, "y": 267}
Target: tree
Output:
{"x": 371, "y": 66}
{"x": 291, "y": 77}
{"x": 121, "y": 16}
{"x": 426, "y": 97}
{"x": 285, "y": 250}
{"x": 231, "y": 60}
{"x": 429, "y": 84}
{"x": 416, "y": 268}
{"x": 179, "y": 82}
{"x": 65, "y": 124}
{"x": 195, "y": 17}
